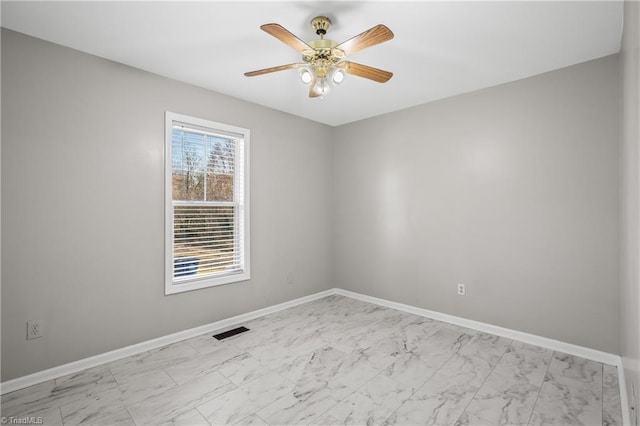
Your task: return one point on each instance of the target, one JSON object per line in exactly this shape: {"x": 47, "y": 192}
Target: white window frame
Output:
{"x": 242, "y": 149}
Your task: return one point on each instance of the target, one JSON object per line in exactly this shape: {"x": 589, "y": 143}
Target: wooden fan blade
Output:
{"x": 273, "y": 69}
{"x": 312, "y": 93}
{"x": 366, "y": 71}
{"x": 282, "y": 34}
{"x": 371, "y": 37}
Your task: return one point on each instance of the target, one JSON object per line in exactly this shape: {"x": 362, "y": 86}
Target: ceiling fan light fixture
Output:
{"x": 306, "y": 75}
{"x": 323, "y": 65}
{"x": 337, "y": 76}
{"x": 322, "y": 86}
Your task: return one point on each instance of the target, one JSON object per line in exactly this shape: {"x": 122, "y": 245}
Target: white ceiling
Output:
{"x": 440, "y": 49}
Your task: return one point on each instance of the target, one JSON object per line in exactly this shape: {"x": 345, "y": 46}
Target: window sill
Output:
{"x": 197, "y": 284}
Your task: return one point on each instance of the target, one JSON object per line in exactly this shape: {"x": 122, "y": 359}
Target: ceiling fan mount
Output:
{"x": 323, "y": 54}
{"x": 321, "y": 24}
{"x": 323, "y": 63}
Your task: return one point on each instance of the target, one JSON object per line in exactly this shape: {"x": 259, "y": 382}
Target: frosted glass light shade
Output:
{"x": 322, "y": 86}
{"x": 306, "y": 76}
{"x": 338, "y": 76}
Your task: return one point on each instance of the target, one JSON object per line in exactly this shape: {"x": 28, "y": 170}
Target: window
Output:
{"x": 207, "y": 204}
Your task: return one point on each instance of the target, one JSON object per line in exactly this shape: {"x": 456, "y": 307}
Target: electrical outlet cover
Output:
{"x": 34, "y": 329}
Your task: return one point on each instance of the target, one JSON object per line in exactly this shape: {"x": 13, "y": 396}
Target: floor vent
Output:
{"x": 230, "y": 333}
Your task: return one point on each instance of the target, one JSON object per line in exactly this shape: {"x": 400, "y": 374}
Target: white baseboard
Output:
{"x": 556, "y": 345}
{"x": 624, "y": 401}
{"x": 76, "y": 366}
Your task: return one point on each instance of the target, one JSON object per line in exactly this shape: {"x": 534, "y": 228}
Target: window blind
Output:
{"x": 208, "y": 202}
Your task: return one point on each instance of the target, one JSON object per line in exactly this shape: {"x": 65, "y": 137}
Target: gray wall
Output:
{"x": 511, "y": 190}
{"x": 630, "y": 200}
{"x": 82, "y": 208}
{"x": 0, "y": 199}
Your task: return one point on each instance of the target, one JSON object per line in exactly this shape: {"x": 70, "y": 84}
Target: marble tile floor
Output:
{"x": 334, "y": 361}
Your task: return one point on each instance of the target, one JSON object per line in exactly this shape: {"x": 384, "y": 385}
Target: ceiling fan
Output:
{"x": 323, "y": 60}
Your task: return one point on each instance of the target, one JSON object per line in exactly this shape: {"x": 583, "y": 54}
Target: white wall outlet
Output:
{"x": 34, "y": 329}
{"x": 461, "y": 289}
